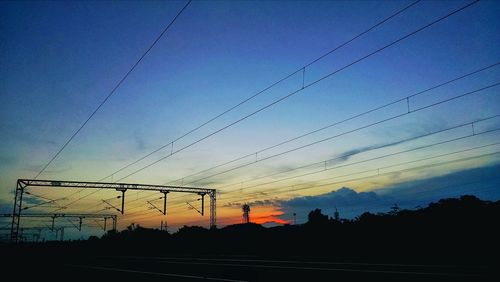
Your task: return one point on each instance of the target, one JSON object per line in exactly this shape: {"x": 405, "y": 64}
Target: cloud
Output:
{"x": 413, "y": 128}
{"x": 351, "y": 153}
{"x": 342, "y": 196}
{"x": 482, "y": 182}
{"x": 349, "y": 202}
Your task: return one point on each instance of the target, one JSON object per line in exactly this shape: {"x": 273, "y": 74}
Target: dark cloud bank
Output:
{"x": 482, "y": 182}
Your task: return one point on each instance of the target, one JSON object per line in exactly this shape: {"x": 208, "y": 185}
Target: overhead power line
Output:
{"x": 299, "y": 90}
{"x": 112, "y": 91}
{"x": 393, "y": 43}
{"x": 325, "y": 169}
{"x": 357, "y": 129}
{"x": 355, "y": 116}
{"x": 338, "y": 135}
{"x": 365, "y": 160}
{"x": 377, "y": 170}
{"x": 334, "y": 124}
{"x": 284, "y": 97}
{"x": 350, "y": 131}
{"x": 473, "y": 133}
{"x": 303, "y": 217}
{"x": 369, "y": 160}
{"x": 262, "y": 91}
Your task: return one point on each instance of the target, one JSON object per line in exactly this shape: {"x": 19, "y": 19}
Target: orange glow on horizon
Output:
{"x": 269, "y": 218}
{"x": 258, "y": 215}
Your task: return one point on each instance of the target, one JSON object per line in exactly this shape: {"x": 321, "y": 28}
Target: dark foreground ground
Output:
{"x": 452, "y": 240}
{"x": 237, "y": 268}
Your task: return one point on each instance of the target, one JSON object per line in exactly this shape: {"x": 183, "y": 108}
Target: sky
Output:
{"x": 59, "y": 60}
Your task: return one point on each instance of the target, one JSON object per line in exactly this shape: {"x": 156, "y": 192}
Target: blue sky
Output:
{"x": 60, "y": 59}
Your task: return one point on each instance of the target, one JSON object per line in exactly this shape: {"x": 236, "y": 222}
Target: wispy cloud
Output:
{"x": 345, "y": 156}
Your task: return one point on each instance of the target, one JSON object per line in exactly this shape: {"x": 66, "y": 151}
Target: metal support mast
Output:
{"x": 16, "y": 213}
{"x": 165, "y": 202}
{"x": 123, "y": 198}
{"x": 213, "y": 222}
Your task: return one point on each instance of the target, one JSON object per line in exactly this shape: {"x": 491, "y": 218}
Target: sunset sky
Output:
{"x": 59, "y": 60}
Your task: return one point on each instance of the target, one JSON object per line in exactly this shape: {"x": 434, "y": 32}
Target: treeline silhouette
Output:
{"x": 463, "y": 230}
{"x": 455, "y": 228}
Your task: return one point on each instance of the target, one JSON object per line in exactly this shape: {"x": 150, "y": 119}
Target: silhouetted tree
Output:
{"x": 315, "y": 217}
{"x": 395, "y": 210}
{"x": 366, "y": 216}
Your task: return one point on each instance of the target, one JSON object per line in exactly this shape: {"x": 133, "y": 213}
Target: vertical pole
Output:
{"x": 202, "y": 204}
{"x": 14, "y": 229}
{"x": 165, "y": 202}
{"x": 19, "y": 207}
{"x": 123, "y": 199}
{"x": 114, "y": 223}
{"x": 53, "y": 219}
{"x": 105, "y": 221}
{"x": 16, "y": 213}
{"x": 213, "y": 222}
{"x": 80, "y": 226}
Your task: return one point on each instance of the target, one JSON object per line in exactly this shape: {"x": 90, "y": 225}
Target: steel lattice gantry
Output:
{"x": 122, "y": 187}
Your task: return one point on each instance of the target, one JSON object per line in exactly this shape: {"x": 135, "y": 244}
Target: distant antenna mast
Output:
{"x": 163, "y": 226}
{"x": 336, "y": 214}
{"x": 246, "y": 213}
